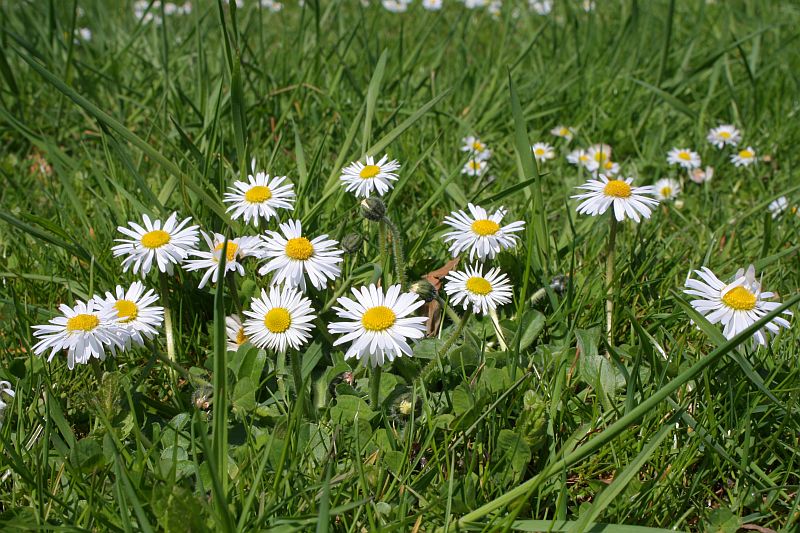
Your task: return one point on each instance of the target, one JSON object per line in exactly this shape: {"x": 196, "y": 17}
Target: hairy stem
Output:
{"x": 612, "y": 237}
{"x": 397, "y": 251}
{"x": 165, "y": 301}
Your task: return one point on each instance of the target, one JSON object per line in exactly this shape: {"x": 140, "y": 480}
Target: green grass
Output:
{"x": 677, "y": 429}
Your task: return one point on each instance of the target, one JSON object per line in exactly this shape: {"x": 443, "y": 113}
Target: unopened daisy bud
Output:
{"x": 373, "y": 209}
{"x": 352, "y": 243}
{"x": 201, "y": 398}
{"x": 424, "y": 289}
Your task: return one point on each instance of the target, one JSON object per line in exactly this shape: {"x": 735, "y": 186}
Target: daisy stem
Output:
{"x": 235, "y": 295}
{"x": 449, "y": 310}
{"x": 162, "y": 277}
{"x": 612, "y": 237}
{"x": 446, "y": 347}
{"x": 397, "y": 249}
{"x": 297, "y": 374}
{"x": 375, "y": 387}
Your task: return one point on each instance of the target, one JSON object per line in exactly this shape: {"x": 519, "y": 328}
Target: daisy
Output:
{"x": 745, "y": 157}
{"x": 778, "y": 206}
{"x": 474, "y": 167}
{"x": 236, "y": 250}
{"x": 293, "y": 257}
{"x": 259, "y": 197}
{"x": 564, "y": 132}
{"x": 432, "y": 5}
{"x": 724, "y": 134}
{"x": 495, "y": 8}
{"x": 683, "y": 157}
{"x": 699, "y": 175}
{"x": 667, "y": 189}
{"x": 235, "y": 332}
{"x": 736, "y": 305}
{"x": 476, "y": 147}
{"x": 362, "y": 179}
{"x": 480, "y": 233}
{"x": 543, "y": 151}
{"x": 598, "y": 156}
{"x": 578, "y": 157}
{"x": 134, "y": 311}
{"x": 279, "y": 320}
{"x": 609, "y": 168}
{"x": 168, "y": 244}
{"x": 377, "y": 324}
{"x": 482, "y": 291}
{"x": 5, "y": 390}
{"x": 541, "y": 7}
{"x": 85, "y": 331}
{"x": 627, "y": 201}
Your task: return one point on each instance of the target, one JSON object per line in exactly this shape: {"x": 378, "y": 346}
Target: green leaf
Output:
{"x": 244, "y": 396}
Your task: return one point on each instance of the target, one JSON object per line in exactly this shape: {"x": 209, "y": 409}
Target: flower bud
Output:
{"x": 373, "y": 209}
{"x": 424, "y": 289}
{"x": 352, "y": 243}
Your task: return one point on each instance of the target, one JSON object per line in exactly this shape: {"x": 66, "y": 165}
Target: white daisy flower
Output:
{"x": 588, "y": 5}
{"x": 293, "y": 257}
{"x": 85, "y": 331}
{"x": 5, "y": 390}
{"x": 432, "y": 5}
{"x": 476, "y": 147}
{"x": 667, "y": 189}
{"x": 135, "y": 311}
{"x": 564, "y": 132}
{"x": 778, "y": 206}
{"x": 474, "y": 4}
{"x": 699, "y": 175}
{"x": 724, "y": 134}
{"x": 279, "y": 320}
{"x": 234, "y": 331}
{"x": 745, "y": 157}
{"x": 627, "y": 201}
{"x": 736, "y": 305}
{"x": 168, "y": 245}
{"x": 578, "y": 157}
{"x": 480, "y": 233}
{"x": 378, "y": 325}
{"x": 235, "y": 252}
{"x": 472, "y": 287}
{"x": 474, "y": 167}
{"x": 541, "y": 7}
{"x": 361, "y": 179}
{"x": 683, "y": 157}
{"x": 259, "y": 197}
{"x": 542, "y": 152}
{"x": 599, "y": 156}
{"x": 495, "y": 7}
{"x": 609, "y": 168}
{"x": 395, "y": 6}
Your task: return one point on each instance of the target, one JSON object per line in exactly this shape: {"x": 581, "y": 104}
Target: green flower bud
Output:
{"x": 352, "y": 243}
{"x": 373, "y": 209}
{"x": 424, "y": 289}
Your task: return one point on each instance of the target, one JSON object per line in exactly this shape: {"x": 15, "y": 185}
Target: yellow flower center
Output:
{"x": 299, "y": 248}
{"x": 474, "y": 165}
{"x": 745, "y": 154}
{"x": 609, "y": 165}
{"x": 617, "y": 189}
{"x": 686, "y": 156}
{"x": 477, "y": 146}
{"x": 155, "y": 239}
{"x": 258, "y": 194}
{"x": 739, "y": 299}
{"x": 369, "y": 171}
{"x": 666, "y": 191}
{"x": 478, "y": 285}
{"x": 230, "y": 251}
{"x": 127, "y": 311}
{"x": 241, "y": 338}
{"x": 378, "y": 318}
{"x": 600, "y": 157}
{"x": 485, "y": 227}
{"x": 82, "y": 323}
{"x": 277, "y": 320}
{"x": 725, "y": 134}
{"x": 583, "y": 158}
{"x": 564, "y": 132}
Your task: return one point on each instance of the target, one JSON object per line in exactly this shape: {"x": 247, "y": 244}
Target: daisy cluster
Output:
{"x": 724, "y": 136}
{"x": 479, "y": 155}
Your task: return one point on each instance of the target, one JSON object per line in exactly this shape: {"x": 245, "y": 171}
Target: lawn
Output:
{"x": 419, "y": 328}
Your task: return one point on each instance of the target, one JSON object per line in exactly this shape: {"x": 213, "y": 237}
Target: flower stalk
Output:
{"x": 610, "y": 256}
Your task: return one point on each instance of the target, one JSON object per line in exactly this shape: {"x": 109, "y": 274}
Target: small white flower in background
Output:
{"x": 724, "y": 134}
{"x": 432, "y": 5}
{"x": 235, "y": 251}
{"x": 85, "y": 331}
{"x": 395, "y": 6}
{"x": 474, "y": 4}
{"x": 745, "y": 157}
{"x": 543, "y": 152}
{"x": 362, "y": 179}
{"x": 167, "y": 245}
{"x": 667, "y": 189}
{"x": 683, "y": 157}
{"x": 271, "y": 5}
{"x": 599, "y": 155}
{"x": 476, "y": 148}
{"x": 588, "y": 5}
{"x": 135, "y": 311}
{"x": 259, "y": 197}
{"x": 480, "y": 233}
{"x": 279, "y": 320}
{"x": 736, "y": 305}
{"x": 564, "y": 132}
{"x": 474, "y": 167}
{"x": 293, "y": 257}
{"x": 630, "y": 202}
{"x": 699, "y": 175}
{"x": 234, "y": 330}
{"x": 378, "y": 325}
{"x": 495, "y": 7}
{"x": 578, "y": 157}
{"x": 471, "y": 287}
{"x": 609, "y": 168}
{"x": 5, "y": 390}
{"x": 778, "y": 206}
{"x": 541, "y": 7}
{"x": 85, "y": 34}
